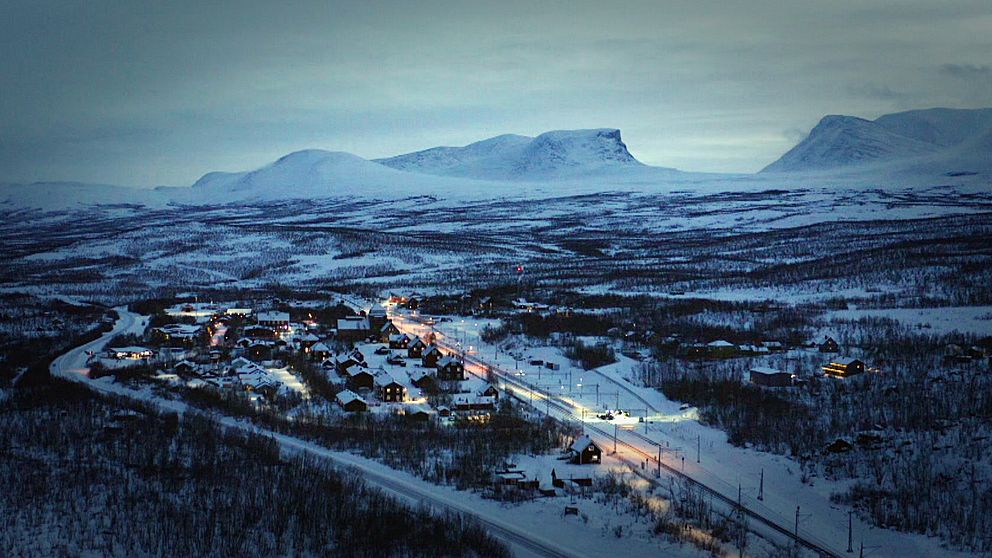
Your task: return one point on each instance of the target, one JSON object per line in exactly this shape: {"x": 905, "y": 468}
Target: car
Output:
{"x": 606, "y": 416}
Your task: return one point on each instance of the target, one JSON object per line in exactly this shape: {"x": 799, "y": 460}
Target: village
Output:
{"x": 459, "y": 361}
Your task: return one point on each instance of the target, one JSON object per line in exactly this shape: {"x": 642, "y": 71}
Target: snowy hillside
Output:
{"x": 933, "y": 141}
{"x": 555, "y": 154}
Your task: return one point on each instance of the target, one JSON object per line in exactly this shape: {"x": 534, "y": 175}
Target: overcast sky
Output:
{"x": 125, "y": 93}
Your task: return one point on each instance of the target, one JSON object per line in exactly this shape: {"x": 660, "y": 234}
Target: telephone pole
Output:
{"x": 850, "y": 532}
{"x": 761, "y": 486}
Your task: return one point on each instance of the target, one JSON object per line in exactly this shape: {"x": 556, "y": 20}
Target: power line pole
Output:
{"x": 761, "y": 486}
{"x": 850, "y": 532}
{"x": 699, "y": 446}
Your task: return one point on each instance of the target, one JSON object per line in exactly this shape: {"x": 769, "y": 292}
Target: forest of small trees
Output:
{"x": 918, "y": 429}
{"x": 83, "y": 475}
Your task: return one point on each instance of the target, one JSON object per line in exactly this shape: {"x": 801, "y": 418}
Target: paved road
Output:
{"x": 523, "y": 542}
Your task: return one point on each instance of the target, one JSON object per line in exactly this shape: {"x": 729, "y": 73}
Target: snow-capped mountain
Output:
{"x": 933, "y": 140}
{"x": 315, "y": 173}
{"x": 551, "y": 155}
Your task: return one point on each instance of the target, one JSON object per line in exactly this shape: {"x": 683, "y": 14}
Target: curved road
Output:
{"x": 523, "y": 542}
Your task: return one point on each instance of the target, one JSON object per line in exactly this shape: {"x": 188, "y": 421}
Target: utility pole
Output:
{"x": 658, "y": 474}
{"x": 699, "y": 446}
{"x": 850, "y": 532}
{"x": 761, "y": 486}
{"x": 796, "y": 533}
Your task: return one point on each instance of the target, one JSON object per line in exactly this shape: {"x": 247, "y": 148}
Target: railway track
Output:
{"x": 567, "y": 412}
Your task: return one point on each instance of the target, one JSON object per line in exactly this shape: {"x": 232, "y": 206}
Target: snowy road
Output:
{"x": 766, "y": 521}
{"x": 730, "y": 474}
{"x": 522, "y": 541}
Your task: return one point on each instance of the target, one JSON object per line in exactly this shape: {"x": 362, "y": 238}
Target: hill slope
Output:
{"x": 931, "y": 141}
{"x": 557, "y": 154}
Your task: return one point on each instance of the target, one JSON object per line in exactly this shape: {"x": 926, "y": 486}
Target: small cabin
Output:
{"x": 387, "y": 331}
{"x": 430, "y": 356}
{"x": 360, "y": 378}
{"x": 451, "y": 369}
{"x": 770, "y": 377}
{"x": 828, "y": 345}
{"x": 489, "y": 390}
{"x": 584, "y": 451}
{"x": 351, "y": 401}
{"x": 399, "y": 341}
{"x": 843, "y": 367}
{"x": 388, "y": 389}
{"x": 416, "y": 348}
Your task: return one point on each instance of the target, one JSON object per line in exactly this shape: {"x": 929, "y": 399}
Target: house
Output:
{"x": 430, "y": 356}
{"x": 185, "y": 367}
{"x": 585, "y": 451}
{"x": 773, "y": 346}
{"x": 260, "y": 350}
{"x": 843, "y": 367}
{"x": 307, "y": 340}
{"x": 354, "y": 328}
{"x": 450, "y": 368}
{"x": 415, "y": 349}
{"x": 399, "y": 341}
{"x": 377, "y": 316}
{"x": 130, "y": 353}
{"x": 468, "y": 402}
{"x": 418, "y": 413}
{"x": 177, "y": 333}
{"x": 259, "y": 332}
{"x": 359, "y": 378}
{"x": 721, "y": 349}
{"x": 443, "y": 411}
{"x": 421, "y": 378}
{"x": 351, "y": 401}
{"x": 278, "y": 321}
{"x": 259, "y": 381}
{"x": 345, "y": 361}
{"x": 828, "y": 345}
{"x": 388, "y": 389}
{"x": 320, "y": 351}
{"x": 387, "y": 331}
{"x": 489, "y": 390}
{"x": 770, "y": 377}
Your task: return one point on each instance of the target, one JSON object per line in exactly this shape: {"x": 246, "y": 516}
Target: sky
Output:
{"x": 144, "y": 94}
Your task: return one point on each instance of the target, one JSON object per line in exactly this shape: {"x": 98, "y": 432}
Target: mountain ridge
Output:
{"x": 937, "y": 136}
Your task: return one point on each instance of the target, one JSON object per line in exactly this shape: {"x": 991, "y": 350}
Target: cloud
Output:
{"x": 968, "y": 72}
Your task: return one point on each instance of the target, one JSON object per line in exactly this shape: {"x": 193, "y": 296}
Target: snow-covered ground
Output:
{"x": 685, "y": 440}
{"x": 962, "y": 319}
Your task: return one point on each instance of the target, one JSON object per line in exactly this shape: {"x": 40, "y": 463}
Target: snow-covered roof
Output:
{"x": 844, "y": 361}
{"x": 445, "y": 361}
{"x": 320, "y": 347}
{"x": 720, "y": 343}
{"x": 377, "y": 310}
{"x": 347, "y": 396}
{"x": 383, "y": 378}
{"x": 581, "y": 443}
{"x": 273, "y": 317}
{"x": 766, "y": 370}
{"x": 430, "y": 349}
{"x": 353, "y": 323}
